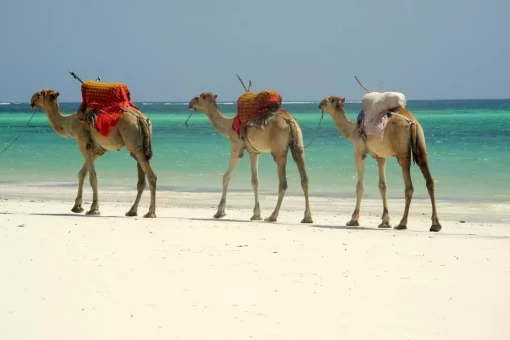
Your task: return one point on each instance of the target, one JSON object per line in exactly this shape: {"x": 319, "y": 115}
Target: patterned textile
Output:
{"x": 373, "y": 118}
{"x": 252, "y": 105}
{"x": 103, "y": 104}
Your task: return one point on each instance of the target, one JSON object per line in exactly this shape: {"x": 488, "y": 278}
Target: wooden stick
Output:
{"x": 75, "y": 76}
{"x": 242, "y": 83}
{"x": 363, "y": 86}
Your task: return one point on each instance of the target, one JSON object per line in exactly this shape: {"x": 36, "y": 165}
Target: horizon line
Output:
{"x": 285, "y": 101}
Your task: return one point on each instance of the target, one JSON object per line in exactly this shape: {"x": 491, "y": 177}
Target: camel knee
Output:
{"x": 93, "y": 176}
{"x": 82, "y": 171}
{"x": 226, "y": 177}
{"x": 152, "y": 180}
{"x": 430, "y": 184}
{"x": 141, "y": 186}
{"x": 283, "y": 185}
{"x": 409, "y": 191}
{"x": 360, "y": 187}
{"x": 304, "y": 181}
{"x": 254, "y": 182}
{"x": 382, "y": 186}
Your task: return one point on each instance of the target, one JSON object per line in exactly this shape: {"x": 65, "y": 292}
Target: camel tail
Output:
{"x": 296, "y": 144}
{"x": 146, "y": 127}
{"x": 418, "y": 148}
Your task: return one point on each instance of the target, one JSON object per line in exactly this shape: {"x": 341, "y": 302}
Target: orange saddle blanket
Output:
{"x": 252, "y": 105}
{"x": 103, "y": 104}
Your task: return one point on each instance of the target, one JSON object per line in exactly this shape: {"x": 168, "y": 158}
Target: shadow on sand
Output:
{"x": 344, "y": 227}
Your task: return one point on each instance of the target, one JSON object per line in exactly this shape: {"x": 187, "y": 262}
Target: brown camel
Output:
{"x": 402, "y": 140}
{"x": 133, "y": 131}
{"x": 282, "y": 131}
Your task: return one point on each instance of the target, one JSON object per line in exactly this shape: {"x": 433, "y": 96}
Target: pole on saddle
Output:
{"x": 78, "y": 78}
{"x": 242, "y": 83}
{"x": 391, "y": 113}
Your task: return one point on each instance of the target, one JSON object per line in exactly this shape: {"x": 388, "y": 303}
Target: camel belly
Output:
{"x": 380, "y": 148}
{"x": 259, "y": 139}
{"x": 111, "y": 142}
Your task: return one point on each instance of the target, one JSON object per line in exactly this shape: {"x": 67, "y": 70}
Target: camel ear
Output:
{"x": 215, "y": 96}
{"x": 43, "y": 93}
{"x": 343, "y": 100}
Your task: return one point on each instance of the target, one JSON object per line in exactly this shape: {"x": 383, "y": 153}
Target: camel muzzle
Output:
{"x": 191, "y": 103}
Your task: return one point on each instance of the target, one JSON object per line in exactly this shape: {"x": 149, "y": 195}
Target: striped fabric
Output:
{"x": 103, "y": 104}
{"x": 251, "y": 105}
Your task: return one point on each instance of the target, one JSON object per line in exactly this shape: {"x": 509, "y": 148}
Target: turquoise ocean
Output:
{"x": 468, "y": 143}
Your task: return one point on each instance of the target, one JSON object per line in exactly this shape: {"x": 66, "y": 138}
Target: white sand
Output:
{"x": 185, "y": 275}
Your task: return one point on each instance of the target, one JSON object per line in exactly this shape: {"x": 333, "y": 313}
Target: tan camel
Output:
{"x": 282, "y": 131}
{"x": 401, "y": 140}
{"x": 133, "y": 131}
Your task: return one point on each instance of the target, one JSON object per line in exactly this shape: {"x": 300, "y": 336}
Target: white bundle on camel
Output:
{"x": 373, "y": 118}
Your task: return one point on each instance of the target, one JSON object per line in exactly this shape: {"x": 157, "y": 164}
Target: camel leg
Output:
{"x": 89, "y": 164}
{"x": 300, "y": 162}
{"x": 81, "y": 179}
{"x": 381, "y": 164}
{"x": 281, "y": 162}
{"x": 424, "y": 167}
{"x": 254, "y": 161}
{"x": 405, "y": 164}
{"x": 232, "y": 164}
{"x": 144, "y": 164}
{"x": 359, "y": 159}
{"x": 140, "y": 187}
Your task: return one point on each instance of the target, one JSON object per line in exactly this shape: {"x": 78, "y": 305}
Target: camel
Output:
{"x": 281, "y": 133}
{"x": 403, "y": 138}
{"x": 133, "y": 131}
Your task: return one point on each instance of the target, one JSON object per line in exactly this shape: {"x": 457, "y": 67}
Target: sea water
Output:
{"x": 468, "y": 144}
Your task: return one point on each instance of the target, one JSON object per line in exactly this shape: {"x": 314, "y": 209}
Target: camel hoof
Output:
{"x": 435, "y": 227}
{"x": 150, "y": 215}
{"x": 77, "y": 210}
{"x": 307, "y": 220}
{"x": 93, "y": 212}
{"x": 270, "y": 219}
{"x": 400, "y": 227}
{"x": 131, "y": 213}
{"x": 352, "y": 224}
{"x": 256, "y": 218}
{"x": 384, "y": 225}
{"x": 219, "y": 215}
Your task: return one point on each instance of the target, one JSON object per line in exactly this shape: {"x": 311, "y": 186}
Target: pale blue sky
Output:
{"x": 168, "y": 50}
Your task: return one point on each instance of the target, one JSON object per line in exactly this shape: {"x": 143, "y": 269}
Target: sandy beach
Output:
{"x": 185, "y": 275}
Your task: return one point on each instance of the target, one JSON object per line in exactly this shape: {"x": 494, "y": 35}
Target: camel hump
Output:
{"x": 104, "y": 104}
{"x": 250, "y": 105}
{"x": 404, "y": 112}
{"x": 97, "y": 95}
{"x": 256, "y": 106}
{"x": 285, "y": 114}
{"x": 372, "y": 119}
{"x": 374, "y": 103}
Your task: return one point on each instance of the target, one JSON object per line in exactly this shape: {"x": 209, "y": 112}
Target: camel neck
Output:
{"x": 61, "y": 124}
{"x": 221, "y": 123}
{"x": 344, "y": 125}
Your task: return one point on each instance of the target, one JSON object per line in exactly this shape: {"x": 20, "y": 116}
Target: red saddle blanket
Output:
{"x": 103, "y": 104}
{"x": 251, "y": 105}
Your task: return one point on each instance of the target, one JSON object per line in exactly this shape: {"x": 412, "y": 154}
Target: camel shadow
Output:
{"x": 344, "y": 227}
{"x": 72, "y": 215}
{"x": 221, "y": 220}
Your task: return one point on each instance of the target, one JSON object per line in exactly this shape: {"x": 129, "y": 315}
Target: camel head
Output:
{"x": 41, "y": 97}
{"x": 203, "y": 100}
{"x": 332, "y": 103}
